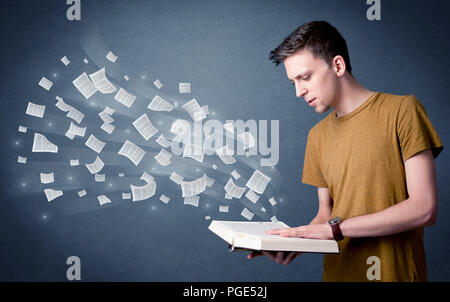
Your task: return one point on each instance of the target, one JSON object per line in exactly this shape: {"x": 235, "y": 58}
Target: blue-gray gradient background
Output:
{"x": 222, "y": 48}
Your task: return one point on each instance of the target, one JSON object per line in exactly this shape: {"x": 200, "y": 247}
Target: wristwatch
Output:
{"x": 335, "y": 227}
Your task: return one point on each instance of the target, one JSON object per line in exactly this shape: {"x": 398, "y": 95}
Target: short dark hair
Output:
{"x": 319, "y": 37}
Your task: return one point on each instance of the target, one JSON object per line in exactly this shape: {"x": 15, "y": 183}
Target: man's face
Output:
{"x": 313, "y": 78}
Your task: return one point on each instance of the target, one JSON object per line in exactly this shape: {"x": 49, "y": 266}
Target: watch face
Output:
{"x": 334, "y": 220}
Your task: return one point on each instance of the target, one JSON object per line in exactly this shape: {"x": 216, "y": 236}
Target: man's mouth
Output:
{"x": 310, "y": 102}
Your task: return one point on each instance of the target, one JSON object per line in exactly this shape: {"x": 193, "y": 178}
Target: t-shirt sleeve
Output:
{"x": 312, "y": 172}
{"x": 414, "y": 129}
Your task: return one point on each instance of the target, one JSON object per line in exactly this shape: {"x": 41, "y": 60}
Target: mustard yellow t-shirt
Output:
{"x": 360, "y": 158}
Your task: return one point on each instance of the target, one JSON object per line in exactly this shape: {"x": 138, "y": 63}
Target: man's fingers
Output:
{"x": 291, "y": 256}
{"x": 255, "y": 254}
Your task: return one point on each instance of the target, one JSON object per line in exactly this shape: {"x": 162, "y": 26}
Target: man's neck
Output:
{"x": 351, "y": 96}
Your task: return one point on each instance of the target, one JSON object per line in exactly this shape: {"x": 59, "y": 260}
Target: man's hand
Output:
{"x": 312, "y": 231}
{"x": 279, "y": 257}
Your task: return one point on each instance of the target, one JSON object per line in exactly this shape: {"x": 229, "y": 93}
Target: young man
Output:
{"x": 371, "y": 159}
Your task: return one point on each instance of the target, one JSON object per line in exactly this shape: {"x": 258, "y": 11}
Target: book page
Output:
{"x": 84, "y": 85}
{"x": 184, "y": 87}
{"x": 76, "y": 115}
{"x": 179, "y": 127}
{"x": 52, "y": 194}
{"x": 147, "y": 177}
{"x": 101, "y": 82}
{"x": 102, "y": 199}
{"x": 45, "y": 83}
{"x": 61, "y": 105}
{"x": 132, "y": 152}
{"x": 95, "y": 144}
{"x": 35, "y": 110}
{"x": 163, "y": 142}
{"x": 258, "y": 182}
{"x": 234, "y": 190}
{"x": 125, "y": 98}
{"x": 176, "y": 178}
{"x": 163, "y": 157}
{"x": 158, "y": 84}
{"x": 191, "y": 188}
{"x": 111, "y": 57}
{"x": 194, "y": 110}
{"x": 42, "y": 144}
{"x": 143, "y": 192}
{"x": 95, "y": 166}
{"x": 192, "y": 200}
{"x": 160, "y": 104}
{"x": 65, "y": 60}
{"x": 145, "y": 127}
{"x": 47, "y": 178}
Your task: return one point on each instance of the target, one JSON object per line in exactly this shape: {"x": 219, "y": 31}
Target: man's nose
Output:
{"x": 300, "y": 91}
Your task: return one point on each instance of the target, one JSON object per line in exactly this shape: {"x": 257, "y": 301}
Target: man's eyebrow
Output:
{"x": 301, "y": 74}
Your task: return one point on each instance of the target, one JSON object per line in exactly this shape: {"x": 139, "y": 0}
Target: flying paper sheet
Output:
{"x": 52, "y": 194}
{"x": 209, "y": 180}
{"x": 272, "y": 201}
{"x": 126, "y": 195}
{"x": 23, "y": 129}
{"x": 47, "y": 178}
{"x": 191, "y": 188}
{"x": 234, "y": 190}
{"x": 61, "y": 105}
{"x": 224, "y": 209}
{"x": 65, "y": 60}
{"x": 184, "y": 87}
{"x": 258, "y": 182}
{"x": 45, "y": 83}
{"x": 158, "y": 84}
{"x": 273, "y": 219}
{"x": 147, "y": 177}
{"x": 192, "y": 200}
{"x": 176, "y": 178}
{"x": 82, "y": 193}
{"x": 21, "y": 159}
{"x": 179, "y": 127}
{"x": 102, "y": 199}
{"x": 252, "y": 196}
{"x": 106, "y": 117}
{"x": 108, "y": 128}
{"x": 35, "y": 110}
{"x": 164, "y": 198}
{"x": 226, "y": 155}
{"x": 99, "y": 177}
{"x": 84, "y": 85}
{"x": 235, "y": 174}
{"x": 160, "y": 104}
{"x": 163, "y": 157}
{"x": 42, "y": 144}
{"x": 76, "y": 115}
{"x": 74, "y": 162}
{"x": 111, "y": 57}
{"x": 162, "y": 141}
{"x": 145, "y": 127}
{"x": 75, "y": 130}
{"x": 194, "y": 152}
{"x": 85, "y": 60}
{"x": 95, "y": 144}
{"x": 125, "y": 98}
{"x": 194, "y": 110}
{"x": 247, "y": 214}
{"x": 95, "y": 166}
{"x": 101, "y": 82}
{"x": 143, "y": 192}
{"x": 132, "y": 152}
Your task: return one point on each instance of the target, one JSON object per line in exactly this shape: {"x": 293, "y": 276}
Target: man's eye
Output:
{"x": 305, "y": 78}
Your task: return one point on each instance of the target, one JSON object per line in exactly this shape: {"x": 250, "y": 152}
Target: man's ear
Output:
{"x": 339, "y": 65}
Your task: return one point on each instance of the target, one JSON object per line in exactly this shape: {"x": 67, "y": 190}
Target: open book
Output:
{"x": 250, "y": 235}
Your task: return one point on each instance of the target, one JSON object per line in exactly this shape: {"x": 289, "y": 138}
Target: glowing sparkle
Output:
{"x": 50, "y": 124}
{"x": 17, "y": 142}
{"x": 24, "y": 184}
